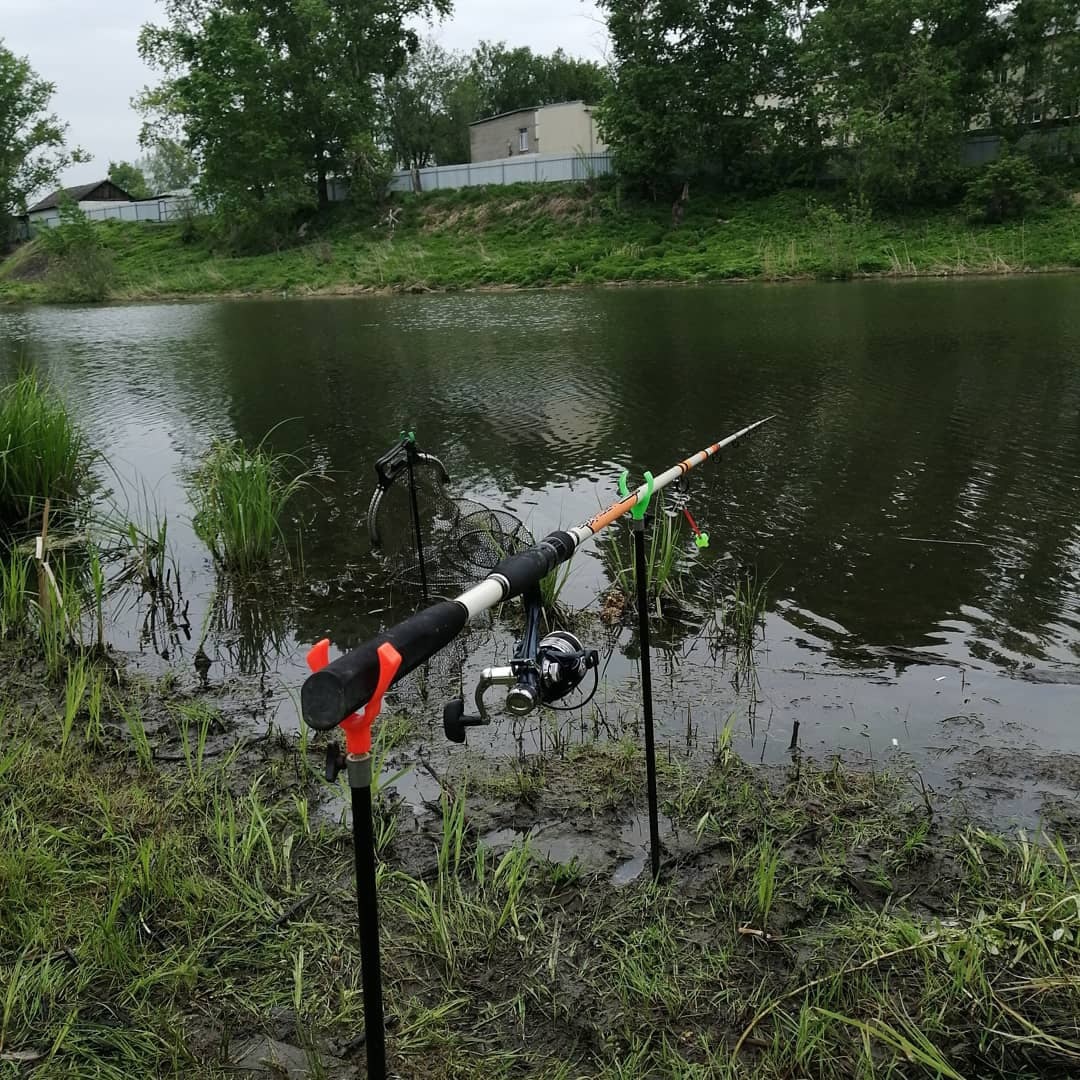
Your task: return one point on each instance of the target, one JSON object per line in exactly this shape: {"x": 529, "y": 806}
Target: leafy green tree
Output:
{"x": 270, "y": 95}
{"x": 698, "y": 87}
{"x": 506, "y": 79}
{"x": 129, "y": 177}
{"x": 33, "y": 153}
{"x": 897, "y": 83}
{"x": 428, "y": 107}
{"x": 1041, "y": 73}
{"x": 168, "y": 166}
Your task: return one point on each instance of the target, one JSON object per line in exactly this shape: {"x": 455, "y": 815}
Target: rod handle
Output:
{"x": 339, "y": 689}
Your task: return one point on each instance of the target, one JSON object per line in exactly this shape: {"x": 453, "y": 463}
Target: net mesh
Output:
{"x": 461, "y": 540}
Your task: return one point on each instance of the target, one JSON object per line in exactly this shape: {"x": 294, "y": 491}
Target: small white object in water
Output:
{"x": 896, "y": 743}
{"x": 941, "y": 678}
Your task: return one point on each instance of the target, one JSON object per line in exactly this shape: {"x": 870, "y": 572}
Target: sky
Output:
{"x": 89, "y": 52}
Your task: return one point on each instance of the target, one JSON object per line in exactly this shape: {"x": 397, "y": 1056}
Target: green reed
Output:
{"x": 664, "y": 562}
{"x": 240, "y": 496}
{"x": 43, "y": 455}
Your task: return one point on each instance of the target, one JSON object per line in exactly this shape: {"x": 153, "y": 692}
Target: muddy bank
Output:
{"x": 178, "y": 892}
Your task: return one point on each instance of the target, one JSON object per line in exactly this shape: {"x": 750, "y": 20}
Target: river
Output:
{"x": 913, "y": 508}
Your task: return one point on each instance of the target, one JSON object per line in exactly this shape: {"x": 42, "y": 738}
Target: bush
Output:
{"x": 1009, "y": 188}
{"x": 839, "y": 235}
{"x": 80, "y": 269}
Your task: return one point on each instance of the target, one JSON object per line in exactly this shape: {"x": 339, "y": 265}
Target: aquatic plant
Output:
{"x": 664, "y": 562}
{"x": 240, "y": 496}
{"x": 43, "y": 454}
{"x": 14, "y": 595}
{"x": 551, "y": 588}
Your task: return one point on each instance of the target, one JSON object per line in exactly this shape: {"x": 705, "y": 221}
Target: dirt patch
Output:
{"x": 193, "y": 911}
{"x": 564, "y": 209}
{"x": 27, "y": 264}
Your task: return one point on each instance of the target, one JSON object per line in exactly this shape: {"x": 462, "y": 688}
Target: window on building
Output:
{"x": 523, "y": 140}
{"x": 1036, "y": 114}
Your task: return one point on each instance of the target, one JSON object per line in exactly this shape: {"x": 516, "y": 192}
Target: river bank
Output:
{"x": 560, "y": 235}
{"x": 177, "y": 890}
{"x": 177, "y": 886}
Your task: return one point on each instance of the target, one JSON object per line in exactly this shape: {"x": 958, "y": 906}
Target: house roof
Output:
{"x": 531, "y": 109}
{"x": 75, "y": 194}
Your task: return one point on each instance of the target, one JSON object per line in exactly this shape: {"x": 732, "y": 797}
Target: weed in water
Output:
{"x": 551, "y": 587}
{"x": 665, "y": 562}
{"x": 240, "y": 496}
{"x": 43, "y": 455}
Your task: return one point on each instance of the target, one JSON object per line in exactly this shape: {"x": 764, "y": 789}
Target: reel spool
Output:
{"x": 559, "y": 668}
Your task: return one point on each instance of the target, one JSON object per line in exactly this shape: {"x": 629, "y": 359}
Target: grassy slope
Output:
{"x": 566, "y": 234}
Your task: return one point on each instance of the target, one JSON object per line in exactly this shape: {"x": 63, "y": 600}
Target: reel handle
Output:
{"x": 455, "y": 721}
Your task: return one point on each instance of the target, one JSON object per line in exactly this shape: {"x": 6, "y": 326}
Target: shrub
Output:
{"x": 1008, "y": 188}
{"x": 80, "y": 269}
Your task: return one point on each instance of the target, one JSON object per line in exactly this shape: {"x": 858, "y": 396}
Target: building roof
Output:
{"x": 76, "y": 195}
{"x": 531, "y": 109}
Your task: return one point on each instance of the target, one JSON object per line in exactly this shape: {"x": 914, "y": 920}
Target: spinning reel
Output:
{"x": 541, "y": 672}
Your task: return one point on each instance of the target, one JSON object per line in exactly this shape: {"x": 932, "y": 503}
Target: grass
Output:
{"x": 14, "y": 593}
{"x": 737, "y": 620}
{"x": 555, "y": 611}
{"x": 240, "y": 496}
{"x": 529, "y": 235}
{"x": 664, "y": 560}
{"x": 43, "y": 454}
{"x": 821, "y": 925}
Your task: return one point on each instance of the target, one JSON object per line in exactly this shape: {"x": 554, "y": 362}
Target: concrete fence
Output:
{"x": 523, "y": 169}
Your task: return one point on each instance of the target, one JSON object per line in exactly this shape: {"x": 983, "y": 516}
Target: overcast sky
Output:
{"x": 88, "y": 51}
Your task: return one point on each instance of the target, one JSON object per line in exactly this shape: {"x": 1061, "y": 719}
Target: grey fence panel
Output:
{"x": 525, "y": 168}
{"x": 980, "y": 149}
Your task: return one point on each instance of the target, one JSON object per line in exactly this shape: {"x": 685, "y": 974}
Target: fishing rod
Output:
{"x": 541, "y": 671}
{"x": 334, "y": 693}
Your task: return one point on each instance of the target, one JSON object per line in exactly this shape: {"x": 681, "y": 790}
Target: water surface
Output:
{"x": 914, "y": 506}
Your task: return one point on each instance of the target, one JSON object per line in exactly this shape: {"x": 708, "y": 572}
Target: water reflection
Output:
{"x": 916, "y": 500}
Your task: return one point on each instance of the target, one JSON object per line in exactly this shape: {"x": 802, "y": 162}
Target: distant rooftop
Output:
{"x": 531, "y": 109}
{"x": 78, "y": 194}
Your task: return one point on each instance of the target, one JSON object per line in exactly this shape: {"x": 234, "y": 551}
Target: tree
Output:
{"x": 129, "y": 177}
{"x": 428, "y": 107}
{"x": 271, "y": 95}
{"x": 1042, "y": 69}
{"x": 898, "y": 83}
{"x": 696, "y": 87}
{"x": 168, "y": 166}
{"x": 508, "y": 79}
{"x": 33, "y": 153}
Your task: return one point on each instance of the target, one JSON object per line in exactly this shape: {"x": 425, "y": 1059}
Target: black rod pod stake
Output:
{"x": 409, "y": 439}
{"x": 357, "y": 762}
{"x": 641, "y": 574}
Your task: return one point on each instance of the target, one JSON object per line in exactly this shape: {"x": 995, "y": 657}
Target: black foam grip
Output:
{"x": 330, "y": 695}
{"x": 527, "y": 568}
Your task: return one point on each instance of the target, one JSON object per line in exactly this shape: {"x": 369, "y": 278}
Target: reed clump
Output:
{"x": 43, "y": 453}
{"x": 665, "y": 564}
{"x": 240, "y": 496}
